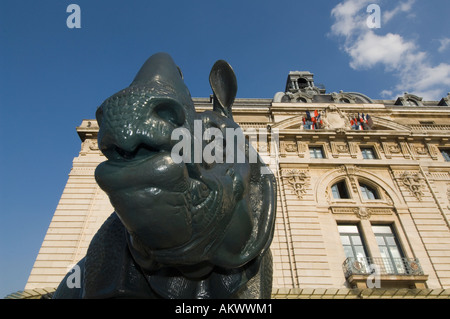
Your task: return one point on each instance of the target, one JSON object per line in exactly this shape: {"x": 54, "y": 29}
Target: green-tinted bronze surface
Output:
{"x": 190, "y": 229}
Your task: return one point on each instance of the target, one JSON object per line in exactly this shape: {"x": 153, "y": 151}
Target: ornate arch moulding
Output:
{"x": 353, "y": 173}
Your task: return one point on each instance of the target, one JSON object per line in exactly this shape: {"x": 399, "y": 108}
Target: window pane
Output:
{"x": 339, "y": 190}
{"x": 446, "y": 154}
{"x": 363, "y": 192}
{"x": 390, "y": 251}
{"x": 368, "y": 192}
{"x": 380, "y": 240}
{"x": 348, "y": 229}
{"x": 360, "y": 253}
{"x": 390, "y": 241}
{"x": 384, "y": 252}
{"x": 343, "y": 190}
{"x": 368, "y": 153}
{"x": 351, "y": 241}
{"x": 395, "y": 252}
{"x": 356, "y": 240}
{"x": 316, "y": 152}
{"x": 348, "y": 252}
{"x": 345, "y": 240}
{"x": 335, "y": 191}
{"x": 382, "y": 229}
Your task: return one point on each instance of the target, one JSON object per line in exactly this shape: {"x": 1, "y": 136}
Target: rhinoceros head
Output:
{"x": 190, "y": 214}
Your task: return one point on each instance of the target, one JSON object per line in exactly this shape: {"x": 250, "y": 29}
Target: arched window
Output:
{"x": 368, "y": 192}
{"x": 339, "y": 190}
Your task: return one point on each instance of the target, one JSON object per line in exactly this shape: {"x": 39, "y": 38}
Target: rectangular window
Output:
{"x": 316, "y": 152}
{"x": 390, "y": 249}
{"x": 354, "y": 249}
{"x": 368, "y": 153}
{"x": 446, "y": 154}
{"x": 352, "y": 242}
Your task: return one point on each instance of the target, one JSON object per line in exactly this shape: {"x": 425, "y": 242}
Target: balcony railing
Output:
{"x": 382, "y": 266}
{"x": 430, "y": 127}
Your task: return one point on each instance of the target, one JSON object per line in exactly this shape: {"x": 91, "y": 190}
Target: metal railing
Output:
{"x": 382, "y": 266}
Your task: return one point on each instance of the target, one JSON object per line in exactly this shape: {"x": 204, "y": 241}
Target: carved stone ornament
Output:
{"x": 413, "y": 181}
{"x": 291, "y": 147}
{"x": 394, "y": 149}
{"x": 287, "y": 147}
{"x": 302, "y": 97}
{"x": 420, "y": 150}
{"x": 183, "y": 226}
{"x": 448, "y": 193}
{"x": 339, "y": 148}
{"x": 343, "y": 97}
{"x": 335, "y": 119}
{"x": 362, "y": 212}
{"x": 90, "y": 145}
{"x": 297, "y": 180}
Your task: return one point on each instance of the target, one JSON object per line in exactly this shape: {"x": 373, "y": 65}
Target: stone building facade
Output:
{"x": 363, "y": 194}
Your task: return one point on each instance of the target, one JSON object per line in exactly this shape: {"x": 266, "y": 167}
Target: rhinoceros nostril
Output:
{"x": 170, "y": 111}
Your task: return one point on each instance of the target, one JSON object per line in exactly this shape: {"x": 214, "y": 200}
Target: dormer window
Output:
{"x": 409, "y": 100}
{"x": 302, "y": 83}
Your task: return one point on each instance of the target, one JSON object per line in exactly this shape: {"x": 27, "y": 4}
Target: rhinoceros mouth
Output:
{"x": 141, "y": 152}
{"x": 147, "y": 182}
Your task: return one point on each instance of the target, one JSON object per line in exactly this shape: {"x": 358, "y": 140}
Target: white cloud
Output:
{"x": 431, "y": 83}
{"x": 399, "y": 56}
{"x": 387, "y": 94}
{"x": 445, "y": 43}
{"x": 402, "y": 7}
{"x": 347, "y": 19}
{"x": 371, "y": 49}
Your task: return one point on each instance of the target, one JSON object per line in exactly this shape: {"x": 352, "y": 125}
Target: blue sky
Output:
{"x": 53, "y": 77}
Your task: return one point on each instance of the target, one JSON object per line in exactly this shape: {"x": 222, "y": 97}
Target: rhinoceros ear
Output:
{"x": 224, "y": 85}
